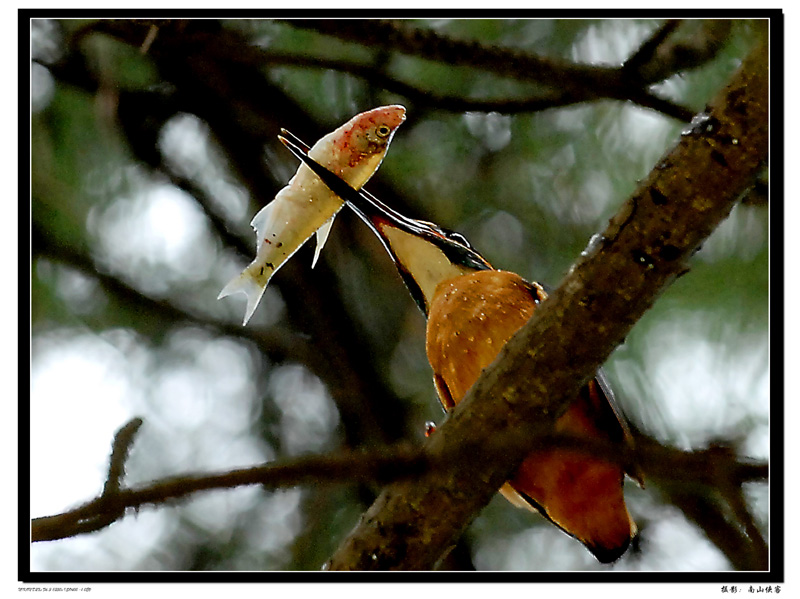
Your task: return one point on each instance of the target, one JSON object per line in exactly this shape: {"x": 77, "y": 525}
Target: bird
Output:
{"x": 472, "y": 310}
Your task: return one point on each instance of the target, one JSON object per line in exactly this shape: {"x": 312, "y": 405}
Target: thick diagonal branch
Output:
{"x": 645, "y": 248}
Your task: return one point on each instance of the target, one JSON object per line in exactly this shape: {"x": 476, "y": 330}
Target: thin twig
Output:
{"x": 680, "y": 53}
{"x": 648, "y": 49}
{"x": 119, "y": 455}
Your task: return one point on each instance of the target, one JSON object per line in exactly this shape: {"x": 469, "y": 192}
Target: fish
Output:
{"x": 306, "y": 206}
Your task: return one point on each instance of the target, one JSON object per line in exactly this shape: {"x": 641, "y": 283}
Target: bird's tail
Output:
{"x": 582, "y": 496}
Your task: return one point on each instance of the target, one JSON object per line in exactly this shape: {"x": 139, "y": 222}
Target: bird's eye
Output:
{"x": 383, "y": 131}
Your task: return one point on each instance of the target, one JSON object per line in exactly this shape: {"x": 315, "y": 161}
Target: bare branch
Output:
{"x": 568, "y": 83}
{"x": 390, "y": 463}
{"x": 428, "y": 44}
{"x": 119, "y": 455}
{"x": 422, "y": 97}
{"x": 659, "y": 58}
{"x": 725, "y": 523}
{"x": 574, "y": 82}
{"x": 431, "y": 99}
{"x": 109, "y": 507}
{"x": 348, "y": 466}
{"x": 650, "y": 46}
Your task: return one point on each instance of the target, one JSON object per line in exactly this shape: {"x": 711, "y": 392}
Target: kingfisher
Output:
{"x": 472, "y": 310}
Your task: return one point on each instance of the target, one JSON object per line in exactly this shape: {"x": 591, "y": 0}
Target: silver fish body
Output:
{"x": 306, "y": 206}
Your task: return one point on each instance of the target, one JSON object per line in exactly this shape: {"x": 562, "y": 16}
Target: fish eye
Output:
{"x": 383, "y": 130}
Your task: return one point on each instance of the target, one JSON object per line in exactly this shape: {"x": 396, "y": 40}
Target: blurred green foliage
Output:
{"x": 527, "y": 189}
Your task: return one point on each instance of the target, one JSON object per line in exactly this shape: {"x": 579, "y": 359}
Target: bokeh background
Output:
{"x": 152, "y": 146}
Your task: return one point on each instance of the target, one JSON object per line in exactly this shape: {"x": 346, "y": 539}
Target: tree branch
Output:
{"x": 389, "y": 463}
{"x": 569, "y": 83}
{"x": 428, "y": 98}
{"x": 660, "y": 58}
{"x": 119, "y": 455}
{"x": 348, "y": 466}
{"x": 427, "y": 44}
{"x": 109, "y": 507}
{"x": 646, "y": 246}
{"x": 706, "y": 485}
{"x": 650, "y": 46}
{"x": 575, "y": 82}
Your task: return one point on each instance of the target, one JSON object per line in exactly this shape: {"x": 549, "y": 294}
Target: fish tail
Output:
{"x": 249, "y": 283}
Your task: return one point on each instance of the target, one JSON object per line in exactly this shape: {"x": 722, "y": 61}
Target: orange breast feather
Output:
{"x": 470, "y": 319}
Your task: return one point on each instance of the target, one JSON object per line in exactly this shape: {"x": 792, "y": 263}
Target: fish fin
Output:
{"x": 264, "y": 220}
{"x": 248, "y": 284}
{"x": 322, "y": 237}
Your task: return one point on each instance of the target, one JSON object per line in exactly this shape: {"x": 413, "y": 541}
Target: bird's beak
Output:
{"x": 366, "y": 205}
{"x": 416, "y": 246}
{"x": 377, "y": 214}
